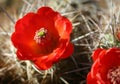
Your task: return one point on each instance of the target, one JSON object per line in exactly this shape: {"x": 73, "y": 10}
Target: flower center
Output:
{"x": 40, "y": 34}
{"x": 114, "y": 75}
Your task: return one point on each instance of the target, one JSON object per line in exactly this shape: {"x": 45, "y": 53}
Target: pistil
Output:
{"x": 40, "y": 34}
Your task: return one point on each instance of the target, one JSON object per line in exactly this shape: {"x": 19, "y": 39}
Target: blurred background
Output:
{"x": 94, "y": 25}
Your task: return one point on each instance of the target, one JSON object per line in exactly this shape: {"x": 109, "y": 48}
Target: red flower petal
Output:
{"x": 67, "y": 51}
{"x": 42, "y": 64}
{"x": 91, "y": 80}
{"x": 24, "y": 56}
{"x": 59, "y": 53}
{"x": 64, "y": 27}
{"x": 47, "y": 11}
{"x": 96, "y": 53}
{"x": 111, "y": 57}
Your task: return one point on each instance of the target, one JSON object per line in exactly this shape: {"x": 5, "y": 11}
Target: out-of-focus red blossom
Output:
{"x": 106, "y": 67}
{"x": 43, "y": 38}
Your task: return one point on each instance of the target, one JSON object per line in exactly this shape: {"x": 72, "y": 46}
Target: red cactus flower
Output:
{"x": 106, "y": 67}
{"x": 43, "y": 38}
